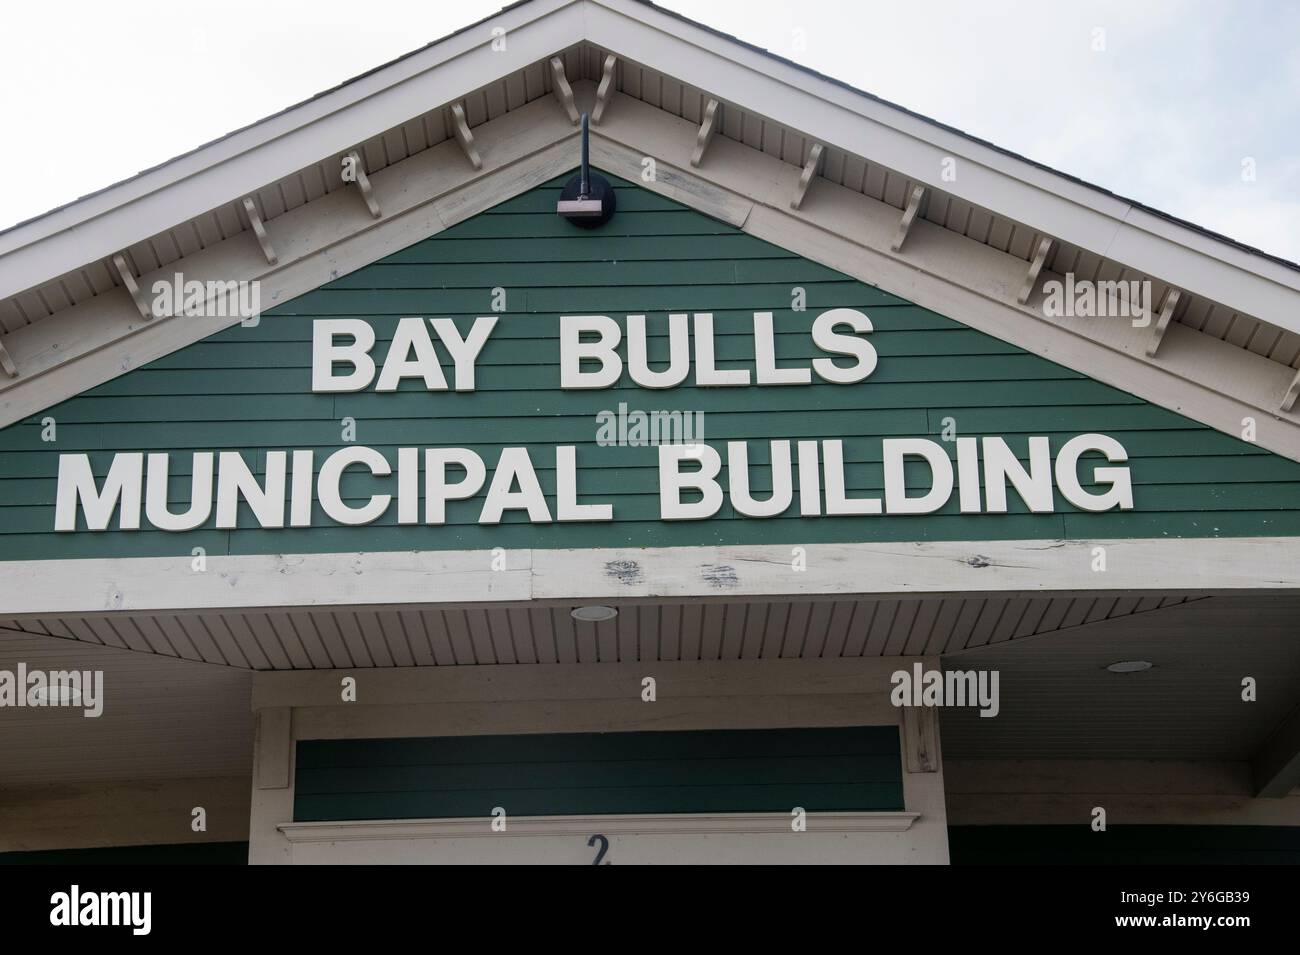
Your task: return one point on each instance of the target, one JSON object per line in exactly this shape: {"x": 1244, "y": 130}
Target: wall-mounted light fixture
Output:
{"x": 587, "y": 199}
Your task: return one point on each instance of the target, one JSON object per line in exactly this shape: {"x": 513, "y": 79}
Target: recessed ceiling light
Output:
{"x": 593, "y": 614}
{"x": 1129, "y": 666}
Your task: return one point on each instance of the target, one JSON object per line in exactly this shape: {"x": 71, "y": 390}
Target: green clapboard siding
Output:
{"x": 1124, "y": 845}
{"x": 565, "y": 774}
{"x": 248, "y": 389}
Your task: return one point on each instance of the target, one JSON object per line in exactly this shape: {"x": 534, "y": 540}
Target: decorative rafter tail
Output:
{"x": 132, "y": 286}
{"x": 465, "y": 136}
{"x": 806, "y": 177}
{"x": 909, "y": 216}
{"x": 1035, "y": 268}
{"x": 259, "y": 230}
{"x": 708, "y": 126}
{"x": 605, "y": 91}
{"x": 563, "y": 91}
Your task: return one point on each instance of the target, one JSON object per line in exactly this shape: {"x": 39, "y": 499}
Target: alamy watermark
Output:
{"x": 922, "y": 687}
{"x": 211, "y": 299}
{"x": 71, "y": 688}
{"x": 77, "y": 908}
{"x": 635, "y": 428}
{"x": 1084, "y": 298}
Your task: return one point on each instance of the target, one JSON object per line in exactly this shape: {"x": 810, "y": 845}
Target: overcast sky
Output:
{"x": 1166, "y": 113}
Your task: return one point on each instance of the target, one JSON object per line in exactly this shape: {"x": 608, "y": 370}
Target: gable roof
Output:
{"x": 1230, "y": 351}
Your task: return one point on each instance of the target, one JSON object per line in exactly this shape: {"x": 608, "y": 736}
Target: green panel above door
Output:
{"x": 564, "y": 774}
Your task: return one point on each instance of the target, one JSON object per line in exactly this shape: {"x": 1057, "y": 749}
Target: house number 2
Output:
{"x": 600, "y": 840}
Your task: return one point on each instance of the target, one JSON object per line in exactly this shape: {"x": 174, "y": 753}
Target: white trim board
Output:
{"x": 501, "y": 683}
{"x": 639, "y": 824}
{"x": 669, "y": 839}
{"x": 1259, "y": 565}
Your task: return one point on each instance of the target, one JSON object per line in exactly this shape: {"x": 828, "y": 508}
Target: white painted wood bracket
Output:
{"x": 128, "y": 280}
{"x": 909, "y": 216}
{"x": 605, "y": 91}
{"x": 363, "y": 183}
{"x": 464, "y": 136}
{"x": 563, "y": 91}
{"x": 707, "y": 128}
{"x": 1292, "y": 392}
{"x": 7, "y": 362}
{"x": 1035, "y": 267}
{"x": 806, "y": 177}
{"x": 259, "y": 230}
{"x": 1162, "y": 323}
